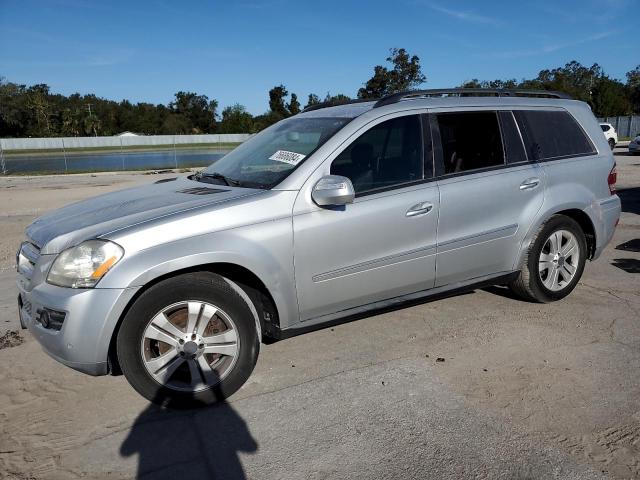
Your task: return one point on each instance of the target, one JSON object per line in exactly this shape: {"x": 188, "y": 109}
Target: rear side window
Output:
{"x": 549, "y": 135}
{"x": 470, "y": 141}
{"x": 605, "y": 128}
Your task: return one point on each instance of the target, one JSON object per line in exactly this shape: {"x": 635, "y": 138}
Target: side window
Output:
{"x": 386, "y": 155}
{"x": 605, "y": 128}
{"x": 551, "y": 135}
{"x": 470, "y": 141}
{"x": 513, "y": 147}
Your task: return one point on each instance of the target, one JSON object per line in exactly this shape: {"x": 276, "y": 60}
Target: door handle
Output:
{"x": 421, "y": 208}
{"x": 530, "y": 183}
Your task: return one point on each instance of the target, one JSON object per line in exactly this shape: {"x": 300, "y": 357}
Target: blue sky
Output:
{"x": 235, "y": 51}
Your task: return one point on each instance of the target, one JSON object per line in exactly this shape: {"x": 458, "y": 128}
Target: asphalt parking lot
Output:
{"x": 480, "y": 385}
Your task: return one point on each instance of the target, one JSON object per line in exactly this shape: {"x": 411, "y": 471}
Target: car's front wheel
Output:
{"x": 612, "y": 143}
{"x": 187, "y": 341}
{"x": 554, "y": 262}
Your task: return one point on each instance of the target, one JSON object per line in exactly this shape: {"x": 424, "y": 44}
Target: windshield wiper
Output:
{"x": 218, "y": 176}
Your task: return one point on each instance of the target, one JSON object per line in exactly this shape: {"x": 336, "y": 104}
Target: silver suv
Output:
{"x": 332, "y": 213}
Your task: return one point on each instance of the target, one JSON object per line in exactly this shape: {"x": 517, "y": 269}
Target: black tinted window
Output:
{"x": 605, "y": 128}
{"x": 552, "y": 134}
{"x": 386, "y": 155}
{"x": 470, "y": 141}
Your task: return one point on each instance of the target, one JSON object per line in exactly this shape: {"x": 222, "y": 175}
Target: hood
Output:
{"x": 98, "y": 216}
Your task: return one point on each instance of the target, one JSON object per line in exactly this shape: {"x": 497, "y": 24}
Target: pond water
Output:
{"x": 105, "y": 162}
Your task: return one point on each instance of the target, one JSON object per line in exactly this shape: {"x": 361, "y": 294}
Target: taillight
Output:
{"x": 612, "y": 179}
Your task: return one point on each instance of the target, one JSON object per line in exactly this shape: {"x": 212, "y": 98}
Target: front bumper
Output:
{"x": 634, "y": 148}
{"x": 91, "y": 317}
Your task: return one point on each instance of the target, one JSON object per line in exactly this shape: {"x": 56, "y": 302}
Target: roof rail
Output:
{"x": 468, "y": 92}
{"x": 334, "y": 103}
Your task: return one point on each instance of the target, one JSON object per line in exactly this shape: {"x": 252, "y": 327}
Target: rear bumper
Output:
{"x": 91, "y": 317}
{"x": 609, "y": 214}
{"x": 634, "y": 148}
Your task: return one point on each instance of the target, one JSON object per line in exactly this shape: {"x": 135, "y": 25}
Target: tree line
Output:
{"x": 34, "y": 111}
{"x": 607, "y": 96}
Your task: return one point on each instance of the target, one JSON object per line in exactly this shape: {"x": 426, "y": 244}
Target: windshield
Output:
{"x": 269, "y": 157}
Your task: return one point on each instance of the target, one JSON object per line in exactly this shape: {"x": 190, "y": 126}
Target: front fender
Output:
{"x": 263, "y": 249}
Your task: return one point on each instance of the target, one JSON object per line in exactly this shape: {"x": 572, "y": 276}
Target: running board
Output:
{"x": 393, "y": 304}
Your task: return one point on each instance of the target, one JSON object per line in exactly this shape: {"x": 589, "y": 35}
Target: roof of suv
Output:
{"x": 444, "y": 98}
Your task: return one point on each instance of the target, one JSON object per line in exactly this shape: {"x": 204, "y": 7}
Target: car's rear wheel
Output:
{"x": 612, "y": 143}
{"x": 554, "y": 263}
{"x": 187, "y": 341}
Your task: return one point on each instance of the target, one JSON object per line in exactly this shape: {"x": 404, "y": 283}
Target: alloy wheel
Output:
{"x": 190, "y": 346}
{"x": 559, "y": 260}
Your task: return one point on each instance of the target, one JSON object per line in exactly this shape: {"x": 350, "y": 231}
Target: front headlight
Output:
{"x": 84, "y": 265}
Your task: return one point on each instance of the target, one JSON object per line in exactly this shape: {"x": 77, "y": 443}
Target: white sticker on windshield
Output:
{"x": 292, "y": 158}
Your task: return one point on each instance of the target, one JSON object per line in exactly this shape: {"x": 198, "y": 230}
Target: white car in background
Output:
{"x": 634, "y": 145}
{"x": 610, "y": 134}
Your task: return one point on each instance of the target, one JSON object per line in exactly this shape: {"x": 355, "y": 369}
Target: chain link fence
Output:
{"x": 92, "y": 154}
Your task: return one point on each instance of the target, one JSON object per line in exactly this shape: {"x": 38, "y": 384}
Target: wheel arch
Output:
{"x": 581, "y": 216}
{"x": 238, "y": 276}
{"x": 587, "y": 226}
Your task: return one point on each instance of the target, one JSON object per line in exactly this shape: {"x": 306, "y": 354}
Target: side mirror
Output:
{"x": 333, "y": 190}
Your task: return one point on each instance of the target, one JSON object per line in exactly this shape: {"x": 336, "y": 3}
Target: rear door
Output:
{"x": 489, "y": 193}
{"x": 570, "y": 160}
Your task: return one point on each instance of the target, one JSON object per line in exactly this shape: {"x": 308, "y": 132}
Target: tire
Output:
{"x": 176, "y": 329}
{"x": 535, "y": 282}
{"x": 612, "y": 143}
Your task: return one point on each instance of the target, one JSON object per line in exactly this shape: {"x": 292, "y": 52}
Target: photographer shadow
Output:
{"x": 195, "y": 443}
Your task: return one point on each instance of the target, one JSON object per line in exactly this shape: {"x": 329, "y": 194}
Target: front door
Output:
{"x": 382, "y": 245}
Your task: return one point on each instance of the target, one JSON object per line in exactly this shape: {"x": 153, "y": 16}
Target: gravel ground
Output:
{"x": 521, "y": 391}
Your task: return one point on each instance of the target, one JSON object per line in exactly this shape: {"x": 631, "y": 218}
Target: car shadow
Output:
{"x": 195, "y": 443}
{"x": 630, "y": 246}
{"x": 503, "y": 291}
{"x": 629, "y": 265}
{"x": 630, "y": 199}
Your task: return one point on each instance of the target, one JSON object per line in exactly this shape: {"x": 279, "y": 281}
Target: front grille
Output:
{"x": 27, "y": 258}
